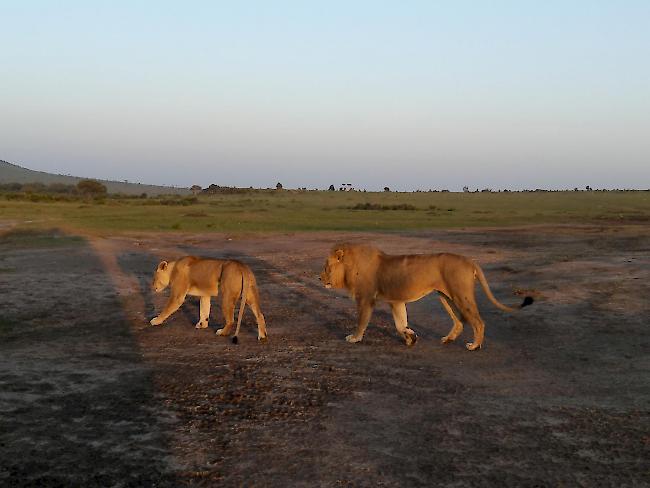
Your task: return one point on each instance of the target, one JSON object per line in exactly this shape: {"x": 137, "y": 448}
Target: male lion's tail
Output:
{"x": 478, "y": 272}
{"x": 244, "y": 289}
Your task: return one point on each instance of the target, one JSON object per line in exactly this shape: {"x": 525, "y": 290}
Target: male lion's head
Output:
{"x": 333, "y": 274}
{"x": 161, "y": 277}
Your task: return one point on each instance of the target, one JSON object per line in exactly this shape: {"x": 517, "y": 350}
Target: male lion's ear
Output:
{"x": 163, "y": 265}
{"x": 339, "y": 254}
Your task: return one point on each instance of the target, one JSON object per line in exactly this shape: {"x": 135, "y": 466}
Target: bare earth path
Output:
{"x": 90, "y": 395}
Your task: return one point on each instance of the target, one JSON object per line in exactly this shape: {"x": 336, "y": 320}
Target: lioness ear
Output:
{"x": 163, "y": 265}
{"x": 339, "y": 254}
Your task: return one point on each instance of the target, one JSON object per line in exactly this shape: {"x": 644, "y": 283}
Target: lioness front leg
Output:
{"x": 365, "y": 312}
{"x": 401, "y": 323}
{"x": 204, "y": 313}
{"x": 173, "y": 304}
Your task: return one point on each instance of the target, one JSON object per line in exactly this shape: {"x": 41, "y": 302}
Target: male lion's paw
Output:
{"x": 220, "y": 332}
{"x": 263, "y": 339}
{"x": 446, "y": 339}
{"x": 472, "y": 346}
{"x": 156, "y": 321}
{"x": 201, "y": 325}
{"x": 353, "y": 339}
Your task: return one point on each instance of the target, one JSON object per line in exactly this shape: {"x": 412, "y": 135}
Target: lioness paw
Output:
{"x": 263, "y": 339}
{"x": 220, "y": 332}
{"x": 201, "y": 325}
{"x": 352, "y": 338}
{"x": 156, "y": 321}
{"x": 472, "y": 346}
{"x": 446, "y": 339}
{"x": 411, "y": 338}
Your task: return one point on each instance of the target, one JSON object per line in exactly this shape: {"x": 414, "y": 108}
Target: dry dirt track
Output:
{"x": 90, "y": 395}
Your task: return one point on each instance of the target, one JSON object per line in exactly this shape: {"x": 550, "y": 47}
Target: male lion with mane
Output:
{"x": 369, "y": 274}
{"x": 202, "y": 277}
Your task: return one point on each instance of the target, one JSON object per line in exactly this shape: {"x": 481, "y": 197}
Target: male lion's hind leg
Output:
{"x": 457, "y": 328}
{"x": 401, "y": 323}
{"x": 204, "y": 313}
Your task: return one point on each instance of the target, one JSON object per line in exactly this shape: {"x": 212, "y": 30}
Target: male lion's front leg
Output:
{"x": 401, "y": 323}
{"x": 204, "y": 313}
{"x": 365, "y": 311}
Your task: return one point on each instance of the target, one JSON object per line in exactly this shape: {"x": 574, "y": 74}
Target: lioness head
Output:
{"x": 161, "y": 277}
{"x": 333, "y": 274}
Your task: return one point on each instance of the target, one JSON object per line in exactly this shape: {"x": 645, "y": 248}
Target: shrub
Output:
{"x": 91, "y": 187}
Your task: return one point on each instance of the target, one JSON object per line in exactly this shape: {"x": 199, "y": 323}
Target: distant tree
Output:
{"x": 588, "y": 188}
{"x": 196, "y": 189}
{"x": 91, "y": 187}
{"x": 386, "y": 188}
{"x": 466, "y": 189}
{"x": 331, "y": 188}
{"x": 278, "y": 186}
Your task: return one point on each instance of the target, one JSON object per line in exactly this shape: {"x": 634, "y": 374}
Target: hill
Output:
{"x": 12, "y": 173}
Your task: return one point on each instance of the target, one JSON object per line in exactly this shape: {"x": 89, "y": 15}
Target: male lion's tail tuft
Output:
{"x": 527, "y": 301}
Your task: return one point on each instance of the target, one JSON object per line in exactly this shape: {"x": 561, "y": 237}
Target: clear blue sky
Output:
{"x": 412, "y": 94}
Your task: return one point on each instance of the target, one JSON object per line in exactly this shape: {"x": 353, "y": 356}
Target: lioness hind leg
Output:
{"x": 228, "y": 303}
{"x": 401, "y": 323}
{"x": 457, "y": 328}
{"x": 204, "y": 313}
{"x": 479, "y": 331}
{"x": 467, "y": 306}
{"x": 259, "y": 318}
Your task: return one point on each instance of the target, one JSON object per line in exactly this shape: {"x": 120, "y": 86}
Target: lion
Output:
{"x": 202, "y": 277}
{"x": 369, "y": 274}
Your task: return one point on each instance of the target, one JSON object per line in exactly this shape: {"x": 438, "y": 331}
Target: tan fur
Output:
{"x": 203, "y": 278}
{"x": 370, "y": 275}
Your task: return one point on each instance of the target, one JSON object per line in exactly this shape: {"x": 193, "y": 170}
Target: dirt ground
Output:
{"x": 91, "y": 395}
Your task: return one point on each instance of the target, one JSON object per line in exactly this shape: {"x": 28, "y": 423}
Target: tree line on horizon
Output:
{"x": 91, "y": 187}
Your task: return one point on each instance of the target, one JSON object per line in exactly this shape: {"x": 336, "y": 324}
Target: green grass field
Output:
{"x": 264, "y": 210}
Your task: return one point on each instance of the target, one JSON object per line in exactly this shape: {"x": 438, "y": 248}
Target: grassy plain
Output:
{"x": 268, "y": 210}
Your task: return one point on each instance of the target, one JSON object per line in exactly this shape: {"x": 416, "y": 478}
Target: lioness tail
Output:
{"x": 242, "y": 305}
{"x": 528, "y": 300}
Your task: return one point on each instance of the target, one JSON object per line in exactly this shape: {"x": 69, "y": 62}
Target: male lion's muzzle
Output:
{"x": 325, "y": 280}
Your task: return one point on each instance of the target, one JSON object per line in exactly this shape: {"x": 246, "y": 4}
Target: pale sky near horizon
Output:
{"x": 411, "y": 95}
